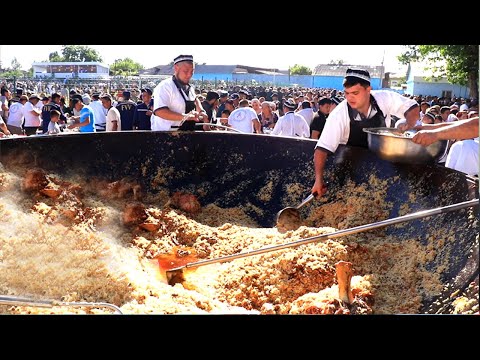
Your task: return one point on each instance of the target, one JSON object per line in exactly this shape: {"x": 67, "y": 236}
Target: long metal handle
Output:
{"x": 220, "y": 126}
{"x": 337, "y": 234}
{"x": 17, "y": 300}
{"x": 306, "y": 200}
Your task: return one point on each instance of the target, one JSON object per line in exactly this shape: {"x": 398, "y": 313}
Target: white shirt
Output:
{"x": 451, "y": 117}
{"x": 30, "y": 119}
{"x": 53, "y": 128}
{"x": 99, "y": 113}
{"x": 15, "y": 116}
{"x": 166, "y": 94}
{"x": 463, "y": 156}
{"x": 292, "y": 124}
{"x": 337, "y": 127}
{"x": 307, "y": 115}
{"x": 113, "y": 114}
{"x": 242, "y": 119}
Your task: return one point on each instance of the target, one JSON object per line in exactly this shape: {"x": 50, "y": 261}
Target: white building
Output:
{"x": 419, "y": 82}
{"x": 65, "y": 70}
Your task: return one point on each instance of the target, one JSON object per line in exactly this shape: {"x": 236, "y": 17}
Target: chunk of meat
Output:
{"x": 185, "y": 202}
{"x": 35, "y": 180}
{"x": 134, "y": 214}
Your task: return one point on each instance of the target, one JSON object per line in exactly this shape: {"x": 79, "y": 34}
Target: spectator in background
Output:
{"x": 236, "y": 100}
{"x": 256, "y": 106}
{"x": 306, "y": 111}
{"x": 230, "y": 105}
{"x": 99, "y": 112}
{"x": 429, "y": 118}
{"x": 245, "y": 119}
{"x": 221, "y": 101}
{"x": 54, "y": 104}
{"x": 65, "y": 109}
{"x": 209, "y": 105}
{"x": 127, "y": 109}
{"x": 144, "y": 111}
{"x": 291, "y": 124}
{"x": 86, "y": 120}
{"x": 113, "y": 118}
{"x": 423, "y": 109}
{"x": 320, "y": 118}
{"x": 268, "y": 118}
{"x": 15, "y": 116}
{"x": 53, "y": 127}
{"x": 32, "y": 115}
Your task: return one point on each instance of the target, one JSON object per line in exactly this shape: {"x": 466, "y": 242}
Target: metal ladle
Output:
{"x": 289, "y": 217}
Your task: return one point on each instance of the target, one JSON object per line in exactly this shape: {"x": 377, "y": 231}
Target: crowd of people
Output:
{"x": 330, "y": 116}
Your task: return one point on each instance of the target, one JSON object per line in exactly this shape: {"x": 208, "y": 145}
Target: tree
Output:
{"x": 125, "y": 67}
{"x": 15, "y": 64}
{"x": 459, "y": 63}
{"x": 75, "y": 53}
{"x": 14, "y": 70}
{"x": 300, "y": 70}
{"x": 55, "y": 57}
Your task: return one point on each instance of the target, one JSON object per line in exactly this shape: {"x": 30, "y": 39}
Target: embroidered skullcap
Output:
{"x": 181, "y": 58}
{"x": 358, "y": 73}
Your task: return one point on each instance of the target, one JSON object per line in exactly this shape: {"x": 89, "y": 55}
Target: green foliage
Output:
{"x": 125, "y": 67}
{"x": 459, "y": 63}
{"x": 55, "y": 57}
{"x": 14, "y": 70}
{"x": 75, "y": 53}
{"x": 300, "y": 70}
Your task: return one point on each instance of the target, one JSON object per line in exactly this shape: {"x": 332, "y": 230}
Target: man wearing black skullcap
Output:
{"x": 175, "y": 104}
{"x": 127, "y": 109}
{"x": 364, "y": 108}
{"x": 292, "y": 123}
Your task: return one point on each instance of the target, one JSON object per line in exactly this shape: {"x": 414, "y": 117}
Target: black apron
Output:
{"x": 357, "y": 136}
{"x": 189, "y": 106}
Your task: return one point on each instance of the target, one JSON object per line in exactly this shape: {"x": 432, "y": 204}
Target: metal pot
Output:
{"x": 393, "y": 145}
{"x": 232, "y": 168}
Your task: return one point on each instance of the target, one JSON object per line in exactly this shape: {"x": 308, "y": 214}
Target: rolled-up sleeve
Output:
{"x": 162, "y": 96}
{"x": 336, "y": 130}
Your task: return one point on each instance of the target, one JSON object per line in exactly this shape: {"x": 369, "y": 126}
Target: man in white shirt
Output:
{"x": 306, "y": 111}
{"x": 292, "y": 123}
{"x": 15, "y": 116}
{"x": 244, "y": 119}
{"x": 32, "y": 112}
{"x": 113, "y": 120}
{"x": 364, "y": 108}
{"x": 175, "y": 104}
{"x": 99, "y": 111}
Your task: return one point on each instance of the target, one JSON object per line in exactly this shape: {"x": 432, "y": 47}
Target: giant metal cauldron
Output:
{"x": 232, "y": 168}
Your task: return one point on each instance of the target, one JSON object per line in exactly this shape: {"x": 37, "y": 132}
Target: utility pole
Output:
{"x": 382, "y": 70}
